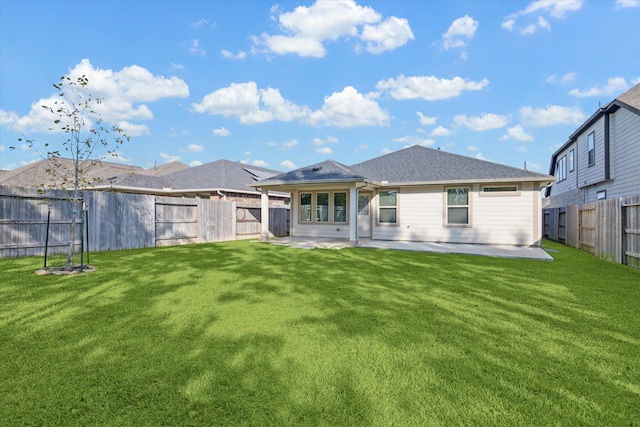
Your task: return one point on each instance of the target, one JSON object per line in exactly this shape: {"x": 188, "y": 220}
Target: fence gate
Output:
{"x": 176, "y": 221}
{"x": 587, "y": 227}
{"x": 562, "y": 225}
{"x": 248, "y": 220}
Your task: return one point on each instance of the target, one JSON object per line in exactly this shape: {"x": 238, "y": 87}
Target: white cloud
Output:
{"x": 288, "y": 164}
{"x": 169, "y": 158}
{"x": 195, "y": 48}
{"x": 551, "y": 115}
{"x": 288, "y": 145}
{"x": 360, "y": 148}
{"x": 250, "y": 104}
{"x": 460, "y": 32}
{"x": 426, "y": 120}
{"x": 260, "y": 163}
{"x": 195, "y": 163}
{"x": 307, "y": 28}
{"x": 324, "y": 150}
{"x": 223, "y": 132}
{"x": 483, "y": 122}
{"x": 195, "y": 148}
{"x": 349, "y": 108}
{"x": 532, "y": 28}
{"x": 539, "y": 9}
{"x": 565, "y": 78}
{"x": 122, "y": 94}
{"x": 472, "y": 148}
{"x": 614, "y": 86}
{"x": 389, "y": 35}
{"x": 202, "y": 23}
{"x": 132, "y": 129}
{"x": 230, "y": 55}
{"x": 480, "y": 156}
{"x": 429, "y": 88}
{"x": 414, "y": 140}
{"x": 116, "y": 157}
{"x": 329, "y": 140}
{"x": 441, "y": 131}
{"x": 622, "y": 4}
{"x": 517, "y": 133}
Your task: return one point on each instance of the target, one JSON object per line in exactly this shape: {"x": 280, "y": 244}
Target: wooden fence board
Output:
{"x": 123, "y": 221}
{"x": 631, "y": 231}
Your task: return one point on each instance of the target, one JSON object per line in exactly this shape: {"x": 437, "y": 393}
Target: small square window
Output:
{"x": 601, "y": 195}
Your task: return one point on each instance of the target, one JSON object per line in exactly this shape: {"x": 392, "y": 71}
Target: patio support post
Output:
{"x": 353, "y": 214}
{"x": 264, "y": 215}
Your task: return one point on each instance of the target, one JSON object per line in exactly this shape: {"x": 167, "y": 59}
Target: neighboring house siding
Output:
{"x": 626, "y": 154}
{"x": 495, "y": 219}
{"x": 571, "y": 180}
{"x": 590, "y": 175}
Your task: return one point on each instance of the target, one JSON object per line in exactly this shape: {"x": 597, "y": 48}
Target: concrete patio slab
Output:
{"x": 450, "y": 248}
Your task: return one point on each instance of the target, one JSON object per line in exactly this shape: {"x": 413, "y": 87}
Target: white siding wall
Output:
{"x": 496, "y": 219}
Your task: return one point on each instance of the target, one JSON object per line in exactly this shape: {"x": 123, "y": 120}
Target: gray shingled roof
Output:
{"x": 217, "y": 175}
{"x": 631, "y": 97}
{"x": 327, "y": 171}
{"x": 165, "y": 169}
{"x": 35, "y": 174}
{"x": 415, "y": 164}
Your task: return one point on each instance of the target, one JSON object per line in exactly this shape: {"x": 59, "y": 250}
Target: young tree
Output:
{"x": 75, "y": 115}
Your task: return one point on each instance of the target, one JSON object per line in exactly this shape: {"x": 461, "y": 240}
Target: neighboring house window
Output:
{"x": 322, "y": 207}
{"x": 305, "y": 207}
{"x": 339, "y": 207}
{"x": 388, "y": 207}
{"x": 592, "y": 148}
{"x": 601, "y": 195}
{"x": 571, "y": 161}
{"x": 458, "y": 206}
{"x": 561, "y": 169}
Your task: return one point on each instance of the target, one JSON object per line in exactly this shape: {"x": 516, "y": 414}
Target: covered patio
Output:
{"x": 503, "y": 251}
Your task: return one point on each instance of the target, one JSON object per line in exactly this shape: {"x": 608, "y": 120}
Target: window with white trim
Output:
{"x": 458, "y": 206}
{"x": 572, "y": 163}
{"x": 340, "y": 207}
{"x": 304, "y": 213}
{"x": 388, "y": 207}
{"x": 561, "y": 169}
{"x": 500, "y": 189}
{"x": 322, "y": 207}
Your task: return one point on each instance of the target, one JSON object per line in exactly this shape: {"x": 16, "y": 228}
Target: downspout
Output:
{"x": 607, "y": 141}
{"x": 221, "y": 194}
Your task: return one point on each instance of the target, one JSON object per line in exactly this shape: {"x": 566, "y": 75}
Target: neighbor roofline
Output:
{"x": 147, "y": 190}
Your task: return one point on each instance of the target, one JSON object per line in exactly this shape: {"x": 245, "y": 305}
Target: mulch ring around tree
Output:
{"x": 64, "y": 271}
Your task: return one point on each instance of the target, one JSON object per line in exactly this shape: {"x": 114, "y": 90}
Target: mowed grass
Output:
{"x": 246, "y": 333}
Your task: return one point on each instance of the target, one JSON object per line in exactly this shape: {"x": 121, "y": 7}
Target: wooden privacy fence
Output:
{"x": 125, "y": 221}
{"x": 608, "y": 229}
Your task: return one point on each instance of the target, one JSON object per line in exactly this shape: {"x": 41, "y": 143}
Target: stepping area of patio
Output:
{"x": 452, "y": 248}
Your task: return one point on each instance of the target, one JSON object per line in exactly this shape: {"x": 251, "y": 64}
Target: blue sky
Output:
{"x": 291, "y": 83}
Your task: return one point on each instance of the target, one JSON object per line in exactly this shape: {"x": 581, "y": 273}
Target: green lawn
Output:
{"x": 245, "y": 333}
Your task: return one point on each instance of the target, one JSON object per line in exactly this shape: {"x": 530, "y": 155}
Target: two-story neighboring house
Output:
{"x": 601, "y": 159}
